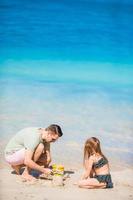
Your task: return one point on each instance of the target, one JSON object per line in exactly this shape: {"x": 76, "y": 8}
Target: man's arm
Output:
{"x": 31, "y": 164}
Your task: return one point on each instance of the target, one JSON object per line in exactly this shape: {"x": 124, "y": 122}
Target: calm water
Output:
{"x": 67, "y": 29}
{"x": 69, "y": 62}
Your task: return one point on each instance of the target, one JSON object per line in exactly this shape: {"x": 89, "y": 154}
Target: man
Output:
{"x": 31, "y": 147}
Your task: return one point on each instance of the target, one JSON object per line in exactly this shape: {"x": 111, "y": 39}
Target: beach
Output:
{"x": 102, "y": 112}
{"x": 68, "y": 62}
{"x": 13, "y": 188}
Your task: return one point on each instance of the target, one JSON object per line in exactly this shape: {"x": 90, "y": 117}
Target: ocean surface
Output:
{"x": 70, "y": 63}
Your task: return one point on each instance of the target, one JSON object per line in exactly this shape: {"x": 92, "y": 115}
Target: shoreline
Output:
{"x": 115, "y": 164}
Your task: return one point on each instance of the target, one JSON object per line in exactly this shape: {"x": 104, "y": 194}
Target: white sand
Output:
{"x": 12, "y": 188}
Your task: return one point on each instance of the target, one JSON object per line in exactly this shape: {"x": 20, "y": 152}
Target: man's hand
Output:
{"x": 31, "y": 164}
{"x": 47, "y": 171}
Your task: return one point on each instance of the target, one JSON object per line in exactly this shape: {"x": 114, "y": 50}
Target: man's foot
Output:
{"x": 16, "y": 168}
{"x": 27, "y": 177}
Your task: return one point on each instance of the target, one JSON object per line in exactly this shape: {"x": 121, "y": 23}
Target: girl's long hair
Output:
{"x": 92, "y": 145}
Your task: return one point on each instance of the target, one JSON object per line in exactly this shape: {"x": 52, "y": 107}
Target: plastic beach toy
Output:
{"x": 58, "y": 170}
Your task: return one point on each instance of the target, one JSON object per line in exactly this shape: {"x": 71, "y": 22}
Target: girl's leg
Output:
{"x": 93, "y": 187}
{"x": 91, "y": 183}
{"x": 92, "y": 173}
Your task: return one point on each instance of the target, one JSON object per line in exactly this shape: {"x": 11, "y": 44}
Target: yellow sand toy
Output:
{"x": 58, "y": 170}
{"x": 57, "y": 177}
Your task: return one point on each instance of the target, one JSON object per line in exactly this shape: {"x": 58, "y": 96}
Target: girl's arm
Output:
{"x": 88, "y": 168}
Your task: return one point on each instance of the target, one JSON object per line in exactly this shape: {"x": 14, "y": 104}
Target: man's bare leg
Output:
{"x": 17, "y": 168}
{"x": 26, "y": 174}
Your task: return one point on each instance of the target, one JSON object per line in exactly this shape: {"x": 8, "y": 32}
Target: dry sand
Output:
{"x": 12, "y": 188}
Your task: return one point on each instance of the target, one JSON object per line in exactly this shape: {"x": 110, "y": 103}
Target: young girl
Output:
{"x": 96, "y": 165}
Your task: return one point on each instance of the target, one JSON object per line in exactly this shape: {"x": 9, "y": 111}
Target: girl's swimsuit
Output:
{"x": 103, "y": 178}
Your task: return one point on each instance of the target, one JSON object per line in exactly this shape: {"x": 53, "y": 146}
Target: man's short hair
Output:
{"x": 56, "y": 129}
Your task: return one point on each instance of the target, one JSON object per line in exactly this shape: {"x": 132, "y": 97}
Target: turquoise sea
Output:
{"x": 71, "y": 63}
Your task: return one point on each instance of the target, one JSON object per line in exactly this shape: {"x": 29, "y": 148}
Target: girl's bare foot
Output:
{"x": 75, "y": 183}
